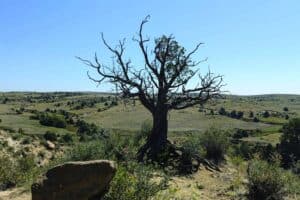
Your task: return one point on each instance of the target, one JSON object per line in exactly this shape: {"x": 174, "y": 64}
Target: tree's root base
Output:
{"x": 174, "y": 160}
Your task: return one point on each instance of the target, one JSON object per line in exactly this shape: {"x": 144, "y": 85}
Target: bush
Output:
{"x": 233, "y": 114}
{"x": 51, "y": 136}
{"x": 222, "y": 111}
{"x": 285, "y": 109}
{"x": 215, "y": 143}
{"x": 8, "y": 176}
{"x": 267, "y": 153}
{"x": 266, "y": 181}
{"x": 16, "y": 171}
{"x": 134, "y": 182}
{"x": 67, "y": 138}
{"x": 255, "y": 119}
{"x": 54, "y": 120}
{"x": 240, "y": 133}
{"x": 244, "y": 150}
{"x": 191, "y": 149}
{"x": 266, "y": 114}
{"x": 290, "y": 142}
{"x": 239, "y": 114}
{"x": 88, "y": 131}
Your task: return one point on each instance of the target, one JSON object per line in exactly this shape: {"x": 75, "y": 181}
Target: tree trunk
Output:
{"x": 157, "y": 140}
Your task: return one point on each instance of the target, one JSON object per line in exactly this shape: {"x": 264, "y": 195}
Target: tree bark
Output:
{"x": 157, "y": 140}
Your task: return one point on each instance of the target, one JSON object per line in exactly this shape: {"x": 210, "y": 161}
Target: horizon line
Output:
{"x": 107, "y": 92}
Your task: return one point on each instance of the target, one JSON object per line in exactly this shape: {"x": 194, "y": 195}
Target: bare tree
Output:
{"x": 161, "y": 85}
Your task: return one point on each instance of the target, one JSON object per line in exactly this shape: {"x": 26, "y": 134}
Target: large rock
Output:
{"x": 75, "y": 180}
{"x": 50, "y": 145}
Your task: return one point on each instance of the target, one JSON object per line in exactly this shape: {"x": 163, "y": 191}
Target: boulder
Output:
{"x": 82, "y": 180}
{"x": 50, "y": 145}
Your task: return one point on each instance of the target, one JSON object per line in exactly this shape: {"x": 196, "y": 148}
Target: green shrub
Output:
{"x": 239, "y": 114}
{"x": 267, "y": 153}
{"x": 222, "y": 111}
{"x": 54, "y": 120}
{"x": 67, "y": 138}
{"x": 191, "y": 148}
{"x": 233, "y": 114}
{"x": 240, "y": 133}
{"x": 134, "y": 181}
{"x": 266, "y": 181}
{"x": 266, "y": 114}
{"x": 88, "y": 131}
{"x": 255, "y": 119}
{"x": 119, "y": 148}
{"x": 51, "y": 136}
{"x": 8, "y": 176}
{"x": 16, "y": 171}
{"x": 243, "y": 150}
{"x": 290, "y": 142}
{"x": 215, "y": 143}
{"x": 26, "y": 167}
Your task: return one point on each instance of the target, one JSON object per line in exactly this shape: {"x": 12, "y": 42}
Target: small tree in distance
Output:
{"x": 161, "y": 85}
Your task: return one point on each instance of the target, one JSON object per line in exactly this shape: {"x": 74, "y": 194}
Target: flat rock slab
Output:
{"x": 81, "y": 180}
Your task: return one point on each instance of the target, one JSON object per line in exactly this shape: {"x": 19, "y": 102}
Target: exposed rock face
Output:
{"x": 75, "y": 181}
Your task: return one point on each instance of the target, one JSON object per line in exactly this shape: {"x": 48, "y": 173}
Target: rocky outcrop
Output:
{"x": 75, "y": 180}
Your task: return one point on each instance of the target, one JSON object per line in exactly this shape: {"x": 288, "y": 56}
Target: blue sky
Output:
{"x": 254, "y": 44}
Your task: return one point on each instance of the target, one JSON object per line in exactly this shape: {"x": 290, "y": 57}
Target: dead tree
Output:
{"x": 160, "y": 85}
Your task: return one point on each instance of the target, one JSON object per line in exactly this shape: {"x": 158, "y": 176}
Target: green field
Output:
{"x": 129, "y": 118}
